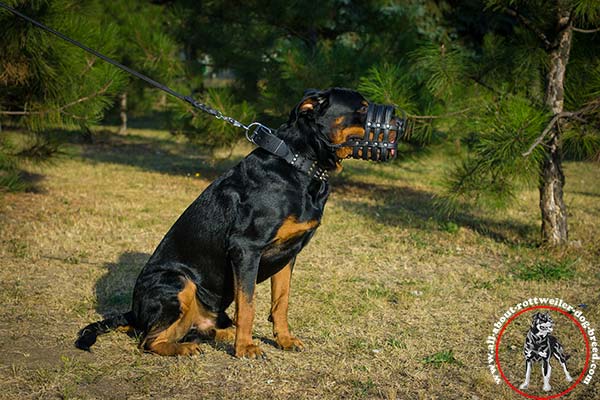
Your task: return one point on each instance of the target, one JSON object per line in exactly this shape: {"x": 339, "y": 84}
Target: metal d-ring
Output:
{"x": 257, "y": 126}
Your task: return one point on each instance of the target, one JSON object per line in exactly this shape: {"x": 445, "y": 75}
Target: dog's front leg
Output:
{"x": 546, "y": 370}
{"x": 245, "y": 270}
{"x": 280, "y": 293}
{"x": 525, "y": 383}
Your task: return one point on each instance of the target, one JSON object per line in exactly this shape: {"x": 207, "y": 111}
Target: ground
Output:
{"x": 390, "y": 299}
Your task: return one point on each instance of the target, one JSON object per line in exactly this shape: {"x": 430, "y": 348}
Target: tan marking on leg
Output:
{"x": 192, "y": 314}
{"x": 292, "y": 228}
{"x": 244, "y": 320}
{"x": 280, "y": 293}
{"x": 226, "y": 335}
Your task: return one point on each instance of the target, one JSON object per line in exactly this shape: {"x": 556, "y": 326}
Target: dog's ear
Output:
{"x": 313, "y": 102}
{"x": 535, "y": 317}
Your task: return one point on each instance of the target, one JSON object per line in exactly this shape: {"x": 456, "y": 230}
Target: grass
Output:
{"x": 442, "y": 357}
{"x": 545, "y": 270}
{"x": 391, "y": 300}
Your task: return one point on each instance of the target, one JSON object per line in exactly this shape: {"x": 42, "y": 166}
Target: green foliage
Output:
{"x": 444, "y": 68}
{"x": 49, "y": 81}
{"x": 468, "y": 71}
{"x": 9, "y": 170}
{"x": 587, "y": 11}
{"x": 278, "y": 49}
{"x": 204, "y": 130}
{"x": 144, "y": 43}
{"x": 441, "y": 357}
{"x": 581, "y": 142}
{"x": 545, "y": 271}
{"x": 390, "y": 84}
{"x": 45, "y": 82}
{"x": 495, "y": 168}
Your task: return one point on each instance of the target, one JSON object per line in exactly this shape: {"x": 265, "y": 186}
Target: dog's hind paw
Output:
{"x": 547, "y": 388}
{"x": 188, "y": 349}
{"x": 524, "y": 385}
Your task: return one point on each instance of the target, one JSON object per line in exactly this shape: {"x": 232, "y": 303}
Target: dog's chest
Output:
{"x": 539, "y": 345}
{"x": 289, "y": 240}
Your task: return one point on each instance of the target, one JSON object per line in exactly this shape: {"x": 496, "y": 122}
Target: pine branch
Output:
{"x": 591, "y": 107}
{"x": 90, "y": 63}
{"x": 62, "y": 108}
{"x": 586, "y": 30}
{"x": 545, "y": 132}
{"x": 417, "y": 117}
{"x": 529, "y": 25}
{"x": 485, "y": 85}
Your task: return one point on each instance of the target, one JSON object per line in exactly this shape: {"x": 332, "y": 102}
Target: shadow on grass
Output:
{"x": 154, "y": 154}
{"x": 408, "y": 207}
{"x": 115, "y": 288}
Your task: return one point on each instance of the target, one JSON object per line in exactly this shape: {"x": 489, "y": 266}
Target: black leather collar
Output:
{"x": 263, "y": 138}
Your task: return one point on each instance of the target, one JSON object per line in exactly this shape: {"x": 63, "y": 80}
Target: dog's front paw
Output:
{"x": 289, "y": 343}
{"x": 524, "y": 385}
{"x": 547, "y": 388}
{"x": 568, "y": 378}
{"x": 248, "y": 351}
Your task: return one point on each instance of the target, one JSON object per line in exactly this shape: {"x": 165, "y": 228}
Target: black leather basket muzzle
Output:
{"x": 380, "y": 142}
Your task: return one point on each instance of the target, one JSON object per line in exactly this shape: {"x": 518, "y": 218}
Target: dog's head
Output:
{"x": 542, "y": 324}
{"x": 330, "y": 121}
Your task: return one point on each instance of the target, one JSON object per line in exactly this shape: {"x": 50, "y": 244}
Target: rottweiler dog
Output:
{"x": 246, "y": 227}
{"x": 541, "y": 346}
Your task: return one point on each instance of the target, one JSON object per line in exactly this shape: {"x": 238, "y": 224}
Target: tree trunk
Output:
{"x": 552, "y": 179}
{"x": 123, "y": 114}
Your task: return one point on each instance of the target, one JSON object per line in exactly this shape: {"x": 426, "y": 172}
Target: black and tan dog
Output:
{"x": 246, "y": 227}
{"x": 541, "y": 346}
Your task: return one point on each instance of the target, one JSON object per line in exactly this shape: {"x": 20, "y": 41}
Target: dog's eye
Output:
{"x": 363, "y": 109}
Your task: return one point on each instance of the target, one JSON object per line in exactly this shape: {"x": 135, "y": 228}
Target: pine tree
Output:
{"x": 46, "y": 83}
{"x": 278, "y": 49}
{"x": 501, "y": 75}
{"x": 145, "y": 45}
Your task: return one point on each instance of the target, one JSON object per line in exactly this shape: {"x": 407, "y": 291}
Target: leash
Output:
{"x": 255, "y": 132}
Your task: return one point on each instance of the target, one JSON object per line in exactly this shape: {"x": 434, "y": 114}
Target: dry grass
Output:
{"x": 391, "y": 300}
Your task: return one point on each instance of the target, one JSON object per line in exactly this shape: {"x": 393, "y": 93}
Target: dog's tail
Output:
{"x": 87, "y": 336}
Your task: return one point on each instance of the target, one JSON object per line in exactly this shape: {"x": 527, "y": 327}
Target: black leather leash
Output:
{"x": 256, "y": 132}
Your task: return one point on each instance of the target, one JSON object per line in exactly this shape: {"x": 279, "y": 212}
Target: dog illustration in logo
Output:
{"x": 540, "y": 345}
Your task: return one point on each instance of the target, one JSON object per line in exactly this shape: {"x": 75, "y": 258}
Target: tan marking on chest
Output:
{"x": 291, "y": 228}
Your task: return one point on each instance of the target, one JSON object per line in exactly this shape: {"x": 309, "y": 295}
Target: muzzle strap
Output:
{"x": 378, "y": 144}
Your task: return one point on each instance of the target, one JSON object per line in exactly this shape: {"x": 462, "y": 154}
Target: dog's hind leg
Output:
{"x": 224, "y": 331}
{"x": 563, "y": 364}
{"x": 562, "y": 358}
{"x": 546, "y": 370}
{"x": 192, "y": 313}
{"x": 525, "y": 383}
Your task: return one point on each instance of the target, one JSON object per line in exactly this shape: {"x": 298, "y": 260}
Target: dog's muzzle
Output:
{"x": 382, "y": 133}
